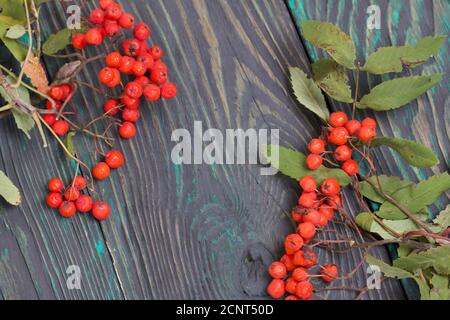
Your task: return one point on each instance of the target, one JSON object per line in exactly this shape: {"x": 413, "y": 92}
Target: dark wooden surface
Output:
{"x": 188, "y": 231}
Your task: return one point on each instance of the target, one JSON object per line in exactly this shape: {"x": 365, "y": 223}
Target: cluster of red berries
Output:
{"x": 59, "y": 94}
{"x": 70, "y": 199}
{"x": 315, "y": 209}
{"x": 340, "y": 134}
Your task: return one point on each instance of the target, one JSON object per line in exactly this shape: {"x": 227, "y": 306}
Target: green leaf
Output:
{"x": 416, "y": 197}
{"x": 14, "y": 9}
{"x": 15, "y": 32}
{"x": 414, "y": 153}
{"x": 440, "y": 289}
{"x": 68, "y": 142}
{"x": 8, "y": 190}
{"x": 404, "y": 250}
{"x": 438, "y": 258}
{"x": 443, "y": 218}
{"x": 57, "y": 41}
{"x": 388, "y": 271}
{"x": 389, "y": 185}
{"x": 17, "y": 50}
{"x": 395, "y": 93}
{"x": 308, "y": 93}
{"x": 392, "y": 59}
{"x": 24, "y": 121}
{"x": 330, "y": 38}
{"x": 424, "y": 289}
{"x": 292, "y": 164}
{"x": 332, "y": 79}
{"x": 364, "y": 220}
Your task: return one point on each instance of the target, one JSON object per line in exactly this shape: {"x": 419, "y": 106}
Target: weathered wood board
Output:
{"x": 177, "y": 231}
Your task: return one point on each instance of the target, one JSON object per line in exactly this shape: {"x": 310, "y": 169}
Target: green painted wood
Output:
{"x": 190, "y": 231}
{"x": 427, "y": 120}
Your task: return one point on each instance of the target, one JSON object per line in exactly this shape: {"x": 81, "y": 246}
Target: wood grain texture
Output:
{"x": 176, "y": 231}
{"x": 402, "y": 22}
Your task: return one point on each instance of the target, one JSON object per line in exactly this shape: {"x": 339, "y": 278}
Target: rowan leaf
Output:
{"x": 35, "y": 71}
{"x": 395, "y": 93}
{"x": 15, "y": 32}
{"x": 387, "y": 270}
{"x": 415, "y": 197}
{"x": 18, "y": 51}
{"x": 24, "y": 121}
{"x": 416, "y": 154}
{"x": 57, "y": 41}
{"x": 438, "y": 258}
{"x": 443, "y": 218}
{"x": 8, "y": 190}
{"x": 308, "y": 93}
{"x": 332, "y": 39}
{"x": 292, "y": 164}
{"x": 14, "y": 9}
{"x": 389, "y": 185}
{"x": 424, "y": 289}
{"x": 68, "y": 142}
{"x": 440, "y": 290}
{"x": 400, "y": 226}
{"x": 392, "y": 59}
{"x": 67, "y": 72}
{"x": 332, "y": 79}
{"x": 364, "y": 220}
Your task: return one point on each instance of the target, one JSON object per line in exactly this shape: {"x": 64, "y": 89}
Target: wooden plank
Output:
{"x": 401, "y": 22}
{"x": 191, "y": 231}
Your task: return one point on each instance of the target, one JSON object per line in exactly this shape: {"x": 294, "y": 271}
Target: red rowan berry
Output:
{"x": 308, "y": 184}
{"x": 114, "y": 59}
{"x": 97, "y": 16}
{"x": 300, "y": 274}
{"x": 139, "y": 69}
{"x": 67, "y": 90}
{"x": 129, "y": 102}
{"x": 334, "y": 201}
{"x": 343, "y": 153}
{"x": 49, "y": 118}
{"x": 156, "y": 52}
{"x": 329, "y": 272}
{"x": 313, "y": 161}
{"x": 305, "y": 259}
{"x": 111, "y": 28}
{"x": 304, "y": 289}
{"x": 316, "y": 146}
{"x": 288, "y": 262}
{"x": 168, "y": 90}
{"x": 114, "y": 159}
{"x": 126, "y": 65}
{"x": 101, "y": 210}
{"x": 56, "y": 93}
{"x": 350, "y": 167}
{"x": 115, "y": 79}
{"x": 159, "y": 65}
{"x": 126, "y": 21}
{"x": 142, "y": 80}
{"x": 79, "y": 41}
{"x": 84, "y": 203}
{"x": 276, "y": 288}
{"x": 127, "y": 130}
{"x": 146, "y": 59}
{"x": 141, "y": 31}
{"x": 106, "y": 75}
{"x": 61, "y": 127}
{"x": 54, "y": 199}
{"x": 330, "y": 187}
{"x": 49, "y": 105}
{"x": 297, "y": 216}
{"x": 131, "y": 47}
{"x": 369, "y": 122}
{"x": 71, "y": 194}
{"x": 67, "y": 209}
{"x": 131, "y": 115}
{"x": 327, "y": 212}
{"x": 277, "y": 270}
{"x": 338, "y": 136}
{"x": 290, "y": 285}
{"x": 352, "y": 127}
{"x": 293, "y": 243}
{"x": 312, "y": 216}
{"x": 113, "y": 11}
{"x": 152, "y": 92}
{"x": 94, "y": 36}
{"x": 101, "y": 171}
{"x": 292, "y": 297}
{"x": 158, "y": 76}
{"x": 338, "y": 119}
{"x": 55, "y": 185}
{"x": 105, "y": 3}
{"x": 133, "y": 90}
{"x": 365, "y": 134}
{"x": 307, "y": 199}
{"x": 110, "y": 107}
{"x": 323, "y": 221}
{"x": 306, "y": 230}
{"x": 144, "y": 46}
{"x": 79, "y": 182}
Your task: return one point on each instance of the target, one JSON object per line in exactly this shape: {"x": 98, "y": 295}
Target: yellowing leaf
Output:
{"x": 8, "y": 190}
{"x": 392, "y": 59}
{"x": 329, "y": 37}
{"x": 332, "y": 79}
{"x": 35, "y": 71}
{"x": 414, "y": 153}
{"x": 395, "y": 93}
{"x": 292, "y": 164}
{"x": 308, "y": 93}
